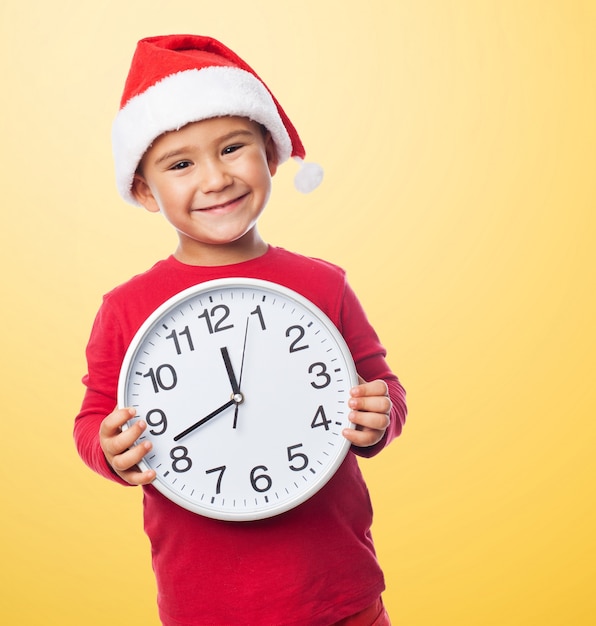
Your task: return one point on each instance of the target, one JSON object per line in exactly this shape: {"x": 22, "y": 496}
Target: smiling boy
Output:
{"x": 211, "y": 180}
{"x": 198, "y": 139}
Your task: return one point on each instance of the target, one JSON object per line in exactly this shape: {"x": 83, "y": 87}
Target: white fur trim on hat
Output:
{"x": 185, "y": 97}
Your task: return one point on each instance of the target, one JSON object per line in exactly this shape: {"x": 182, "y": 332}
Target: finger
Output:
{"x": 369, "y": 420}
{"x": 126, "y": 465}
{"x": 115, "y": 420}
{"x": 371, "y": 404}
{"x": 363, "y": 438}
{"x": 137, "y": 477}
{"x": 373, "y": 388}
{"x": 119, "y": 441}
{"x": 131, "y": 457}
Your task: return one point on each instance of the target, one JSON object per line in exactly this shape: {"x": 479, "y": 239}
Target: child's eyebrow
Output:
{"x": 235, "y": 133}
{"x": 171, "y": 155}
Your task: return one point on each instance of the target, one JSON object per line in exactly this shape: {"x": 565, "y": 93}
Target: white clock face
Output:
{"x": 244, "y": 386}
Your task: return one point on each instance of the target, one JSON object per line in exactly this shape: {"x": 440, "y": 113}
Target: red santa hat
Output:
{"x": 178, "y": 79}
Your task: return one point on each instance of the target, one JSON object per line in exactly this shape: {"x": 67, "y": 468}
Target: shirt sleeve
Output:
{"x": 370, "y": 359}
{"x": 105, "y": 352}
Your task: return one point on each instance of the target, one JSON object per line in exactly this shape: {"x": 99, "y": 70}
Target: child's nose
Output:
{"x": 213, "y": 177}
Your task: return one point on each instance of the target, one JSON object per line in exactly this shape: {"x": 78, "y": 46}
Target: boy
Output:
{"x": 198, "y": 138}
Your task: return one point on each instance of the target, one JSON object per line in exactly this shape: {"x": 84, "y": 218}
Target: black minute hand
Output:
{"x": 241, "y": 370}
{"x": 190, "y": 429}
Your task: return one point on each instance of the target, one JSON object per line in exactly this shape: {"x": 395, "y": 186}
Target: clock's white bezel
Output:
{"x": 239, "y": 282}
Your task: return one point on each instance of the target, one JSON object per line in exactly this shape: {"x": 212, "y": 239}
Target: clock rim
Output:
{"x": 227, "y": 282}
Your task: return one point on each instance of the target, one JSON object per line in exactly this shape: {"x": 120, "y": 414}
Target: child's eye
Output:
{"x": 181, "y": 165}
{"x": 231, "y": 149}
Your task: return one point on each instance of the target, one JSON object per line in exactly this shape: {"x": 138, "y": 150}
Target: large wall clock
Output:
{"x": 244, "y": 386}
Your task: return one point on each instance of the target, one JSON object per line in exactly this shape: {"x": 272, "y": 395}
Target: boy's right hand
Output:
{"x": 118, "y": 448}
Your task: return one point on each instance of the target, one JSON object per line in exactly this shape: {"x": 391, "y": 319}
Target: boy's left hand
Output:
{"x": 370, "y": 406}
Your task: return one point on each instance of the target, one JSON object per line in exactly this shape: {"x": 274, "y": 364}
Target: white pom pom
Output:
{"x": 308, "y": 177}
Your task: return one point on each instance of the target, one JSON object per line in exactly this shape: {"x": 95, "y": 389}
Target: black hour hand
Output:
{"x": 226, "y": 357}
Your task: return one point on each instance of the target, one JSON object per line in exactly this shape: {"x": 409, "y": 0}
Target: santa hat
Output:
{"x": 178, "y": 79}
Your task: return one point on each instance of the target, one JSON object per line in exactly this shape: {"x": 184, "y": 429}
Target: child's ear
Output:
{"x": 143, "y": 195}
{"x": 271, "y": 154}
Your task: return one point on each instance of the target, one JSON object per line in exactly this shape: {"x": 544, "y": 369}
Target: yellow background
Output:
{"x": 459, "y": 143}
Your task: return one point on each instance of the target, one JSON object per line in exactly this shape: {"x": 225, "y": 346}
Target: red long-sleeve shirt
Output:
{"x": 313, "y": 565}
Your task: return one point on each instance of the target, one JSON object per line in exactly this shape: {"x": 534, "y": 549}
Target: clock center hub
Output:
{"x": 238, "y": 398}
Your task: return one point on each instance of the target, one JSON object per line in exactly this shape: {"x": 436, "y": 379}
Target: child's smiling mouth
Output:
{"x": 224, "y": 206}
